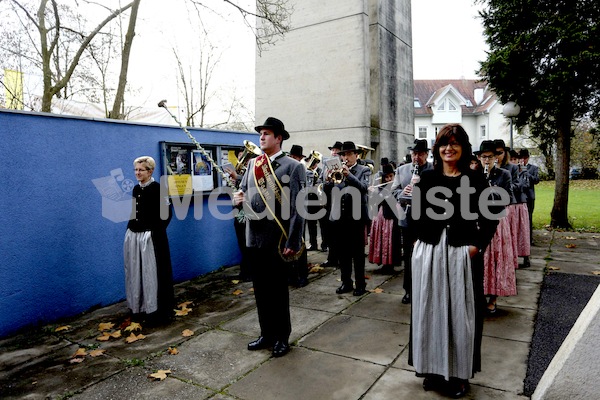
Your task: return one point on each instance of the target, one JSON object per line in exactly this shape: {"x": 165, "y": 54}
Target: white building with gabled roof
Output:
{"x": 468, "y": 102}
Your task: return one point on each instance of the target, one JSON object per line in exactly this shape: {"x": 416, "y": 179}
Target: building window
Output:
{"x": 451, "y": 106}
{"x": 417, "y": 103}
{"x": 422, "y": 132}
{"x": 482, "y": 131}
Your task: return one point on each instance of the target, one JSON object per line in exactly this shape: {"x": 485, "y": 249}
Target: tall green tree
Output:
{"x": 544, "y": 55}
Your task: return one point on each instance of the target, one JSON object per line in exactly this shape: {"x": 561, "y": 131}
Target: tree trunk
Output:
{"x": 119, "y": 97}
{"x": 559, "y": 216}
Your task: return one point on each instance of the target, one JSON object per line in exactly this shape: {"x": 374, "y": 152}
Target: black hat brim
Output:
{"x": 275, "y": 130}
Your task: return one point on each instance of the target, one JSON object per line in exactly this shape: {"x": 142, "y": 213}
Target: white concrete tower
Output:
{"x": 343, "y": 72}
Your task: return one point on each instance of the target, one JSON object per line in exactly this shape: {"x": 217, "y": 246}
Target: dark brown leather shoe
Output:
{"x": 280, "y": 349}
{"x": 345, "y": 288}
{"x": 260, "y": 344}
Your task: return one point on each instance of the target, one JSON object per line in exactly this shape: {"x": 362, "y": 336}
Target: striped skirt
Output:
{"x": 141, "y": 279}
{"x": 443, "y": 310}
{"x": 381, "y": 243}
{"x": 499, "y": 263}
{"x": 521, "y": 230}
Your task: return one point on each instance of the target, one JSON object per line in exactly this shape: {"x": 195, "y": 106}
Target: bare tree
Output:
{"x": 118, "y": 109}
{"x": 270, "y": 20}
{"x": 55, "y": 53}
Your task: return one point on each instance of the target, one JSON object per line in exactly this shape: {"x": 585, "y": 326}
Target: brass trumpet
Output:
{"x": 336, "y": 175}
{"x": 250, "y": 151}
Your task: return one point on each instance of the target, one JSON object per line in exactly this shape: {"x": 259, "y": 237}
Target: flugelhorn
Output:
{"x": 312, "y": 160}
{"x": 250, "y": 151}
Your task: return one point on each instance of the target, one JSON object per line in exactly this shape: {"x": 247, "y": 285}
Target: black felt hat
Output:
{"x": 500, "y": 143}
{"x": 348, "y": 146}
{"x": 485, "y": 146}
{"x": 419, "y": 145}
{"x": 336, "y": 145}
{"x": 524, "y": 153}
{"x": 274, "y": 125}
{"x": 297, "y": 151}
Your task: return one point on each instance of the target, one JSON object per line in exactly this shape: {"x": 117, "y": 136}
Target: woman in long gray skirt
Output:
{"x": 447, "y": 267}
{"x": 148, "y": 271}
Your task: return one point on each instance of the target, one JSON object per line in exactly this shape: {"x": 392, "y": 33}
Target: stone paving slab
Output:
{"x": 307, "y": 374}
{"x": 303, "y": 321}
{"x": 133, "y": 383}
{"x": 360, "y": 338}
{"x": 503, "y": 364}
{"x": 399, "y": 384}
{"x": 510, "y": 323}
{"x": 320, "y": 297}
{"x": 214, "y": 359}
{"x": 384, "y": 306}
{"x": 53, "y": 376}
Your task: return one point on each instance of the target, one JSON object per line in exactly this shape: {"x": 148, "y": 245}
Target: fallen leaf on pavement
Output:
{"x": 81, "y": 352}
{"x": 570, "y": 238}
{"x": 376, "y": 290}
{"x": 103, "y": 338}
{"x": 187, "y": 333}
{"x": 235, "y": 281}
{"x": 237, "y": 292}
{"x": 97, "y": 352}
{"x": 132, "y": 338}
{"x": 182, "y": 312}
{"x": 63, "y": 328}
{"x": 76, "y": 360}
{"x": 134, "y": 326}
{"x": 553, "y": 268}
{"x": 185, "y": 304}
{"x": 173, "y": 351}
{"x": 315, "y": 269}
{"x": 116, "y": 334}
{"x": 596, "y": 272}
{"x": 570, "y": 246}
{"x": 160, "y": 375}
{"x": 105, "y": 326}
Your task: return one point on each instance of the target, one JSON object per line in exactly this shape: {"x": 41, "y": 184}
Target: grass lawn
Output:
{"x": 584, "y": 204}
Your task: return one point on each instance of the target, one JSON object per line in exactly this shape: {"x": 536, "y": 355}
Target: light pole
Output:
{"x": 510, "y": 110}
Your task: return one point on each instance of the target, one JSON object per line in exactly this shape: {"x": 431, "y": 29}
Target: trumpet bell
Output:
{"x": 363, "y": 151}
{"x": 312, "y": 160}
{"x": 250, "y": 151}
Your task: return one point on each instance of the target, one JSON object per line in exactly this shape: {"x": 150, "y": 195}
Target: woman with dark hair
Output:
{"x": 448, "y": 304}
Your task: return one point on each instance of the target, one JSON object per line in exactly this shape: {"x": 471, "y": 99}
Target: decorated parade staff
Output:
{"x": 273, "y": 232}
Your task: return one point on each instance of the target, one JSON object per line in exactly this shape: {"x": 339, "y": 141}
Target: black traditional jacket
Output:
{"x": 441, "y": 209}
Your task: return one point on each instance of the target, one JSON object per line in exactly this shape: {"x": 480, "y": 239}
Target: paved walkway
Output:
{"x": 344, "y": 347}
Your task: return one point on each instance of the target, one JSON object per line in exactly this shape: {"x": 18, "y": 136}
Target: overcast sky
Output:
{"x": 447, "y": 39}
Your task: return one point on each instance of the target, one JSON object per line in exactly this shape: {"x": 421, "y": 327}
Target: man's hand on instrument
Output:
{"x": 238, "y": 198}
{"x": 345, "y": 169}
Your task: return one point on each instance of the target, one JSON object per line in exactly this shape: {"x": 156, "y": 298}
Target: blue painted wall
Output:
{"x": 58, "y": 255}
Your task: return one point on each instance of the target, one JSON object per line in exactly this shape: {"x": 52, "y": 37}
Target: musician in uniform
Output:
{"x": 328, "y": 240}
{"x": 531, "y": 174}
{"x": 299, "y": 268}
{"x": 273, "y": 232}
{"x": 402, "y": 189}
{"x": 347, "y": 225}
